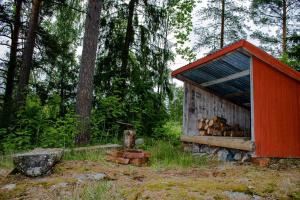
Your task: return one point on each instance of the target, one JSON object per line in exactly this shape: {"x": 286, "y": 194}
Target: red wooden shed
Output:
{"x": 245, "y": 85}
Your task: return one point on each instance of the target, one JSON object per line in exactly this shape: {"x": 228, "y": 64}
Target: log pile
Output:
{"x": 128, "y": 156}
{"x": 217, "y": 126}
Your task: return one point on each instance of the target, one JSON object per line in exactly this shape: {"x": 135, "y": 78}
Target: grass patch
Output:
{"x": 95, "y": 191}
{"x": 85, "y": 155}
{"x": 6, "y": 161}
{"x": 166, "y": 155}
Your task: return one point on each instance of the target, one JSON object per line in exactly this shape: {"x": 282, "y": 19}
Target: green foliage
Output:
{"x": 40, "y": 126}
{"x": 292, "y": 57}
{"x": 166, "y": 155}
{"x": 170, "y": 131}
{"x": 105, "y": 128}
{"x": 6, "y": 162}
{"x": 180, "y": 15}
{"x": 85, "y": 155}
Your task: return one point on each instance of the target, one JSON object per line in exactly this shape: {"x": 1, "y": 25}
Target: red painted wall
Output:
{"x": 276, "y": 112}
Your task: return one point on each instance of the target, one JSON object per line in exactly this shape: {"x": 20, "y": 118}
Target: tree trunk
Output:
{"x": 284, "y": 18}
{"x": 87, "y": 67}
{"x": 12, "y": 65}
{"x": 222, "y": 24}
{"x": 62, "y": 91}
{"x": 125, "y": 52}
{"x": 28, "y": 54}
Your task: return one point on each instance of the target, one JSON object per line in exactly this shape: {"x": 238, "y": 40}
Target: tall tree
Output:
{"x": 283, "y": 16}
{"x": 85, "y": 86}
{"x": 125, "y": 51}
{"x": 28, "y": 53}
{"x": 12, "y": 64}
{"x": 220, "y": 22}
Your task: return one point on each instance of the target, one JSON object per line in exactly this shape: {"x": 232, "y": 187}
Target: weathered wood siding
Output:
{"x": 202, "y": 104}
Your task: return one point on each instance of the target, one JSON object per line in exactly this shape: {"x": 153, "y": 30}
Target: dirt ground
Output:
{"x": 214, "y": 181}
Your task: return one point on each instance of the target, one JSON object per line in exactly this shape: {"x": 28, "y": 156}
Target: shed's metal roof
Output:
{"x": 227, "y": 77}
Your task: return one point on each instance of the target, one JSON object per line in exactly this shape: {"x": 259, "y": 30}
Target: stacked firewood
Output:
{"x": 217, "y": 126}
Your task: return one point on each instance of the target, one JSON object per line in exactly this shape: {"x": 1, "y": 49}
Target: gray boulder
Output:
{"x": 222, "y": 155}
{"x": 246, "y": 157}
{"x": 237, "y": 156}
{"x": 37, "y": 162}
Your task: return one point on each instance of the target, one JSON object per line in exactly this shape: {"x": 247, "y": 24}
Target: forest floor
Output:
{"x": 211, "y": 180}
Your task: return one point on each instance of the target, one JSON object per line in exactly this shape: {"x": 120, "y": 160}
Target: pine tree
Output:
{"x": 219, "y": 23}
{"x": 84, "y": 95}
{"x": 28, "y": 53}
{"x": 281, "y": 17}
{"x": 12, "y": 64}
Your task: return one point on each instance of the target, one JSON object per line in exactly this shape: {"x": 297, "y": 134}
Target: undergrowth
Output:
{"x": 166, "y": 155}
{"x": 85, "y": 155}
{"x": 6, "y": 161}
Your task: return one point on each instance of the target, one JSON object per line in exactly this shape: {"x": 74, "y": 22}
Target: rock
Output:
{"x": 37, "y": 162}
{"x": 139, "y": 141}
{"x": 256, "y": 197}
{"x": 90, "y": 176}
{"x": 9, "y": 186}
{"x": 246, "y": 158}
{"x": 59, "y": 185}
{"x": 237, "y": 195}
{"x": 206, "y": 149}
{"x": 195, "y": 148}
{"x": 223, "y": 154}
{"x": 237, "y": 156}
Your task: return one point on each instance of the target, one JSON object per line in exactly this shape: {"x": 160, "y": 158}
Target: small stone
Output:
{"x": 246, "y": 158}
{"x": 237, "y": 195}
{"x": 90, "y": 176}
{"x": 10, "y": 186}
{"x": 223, "y": 154}
{"x": 37, "y": 162}
{"x": 206, "y": 149}
{"x": 237, "y": 156}
{"x": 195, "y": 148}
{"x": 139, "y": 141}
{"x": 256, "y": 197}
{"x": 59, "y": 185}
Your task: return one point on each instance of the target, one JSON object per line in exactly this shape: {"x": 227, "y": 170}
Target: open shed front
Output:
{"x": 221, "y": 87}
{"x": 231, "y": 83}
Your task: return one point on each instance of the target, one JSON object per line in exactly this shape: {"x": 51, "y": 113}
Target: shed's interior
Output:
{"x": 228, "y": 77}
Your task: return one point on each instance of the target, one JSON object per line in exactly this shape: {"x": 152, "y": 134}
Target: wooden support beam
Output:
{"x": 227, "y": 78}
{"x": 228, "y": 142}
{"x": 246, "y": 93}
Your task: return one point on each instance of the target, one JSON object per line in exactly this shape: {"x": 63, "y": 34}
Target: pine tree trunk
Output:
{"x": 85, "y": 86}
{"x": 125, "y": 51}
{"x": 222, "y": 24}
{"x": 28, "y": 54}
{"x": 284, "y": 19}
{"x": 12, "y": 65}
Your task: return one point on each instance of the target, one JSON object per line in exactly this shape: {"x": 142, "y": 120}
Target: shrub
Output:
{"x": 165, "y": 154}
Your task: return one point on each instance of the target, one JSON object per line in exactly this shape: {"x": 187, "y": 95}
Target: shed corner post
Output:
{"x": 252, "y": 101}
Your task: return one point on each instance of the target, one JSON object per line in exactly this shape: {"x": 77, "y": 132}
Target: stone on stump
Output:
{"x": 37, "y": 162}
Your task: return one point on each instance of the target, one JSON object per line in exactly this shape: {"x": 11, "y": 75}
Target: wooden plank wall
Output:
{"x": 202, "y": 104}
